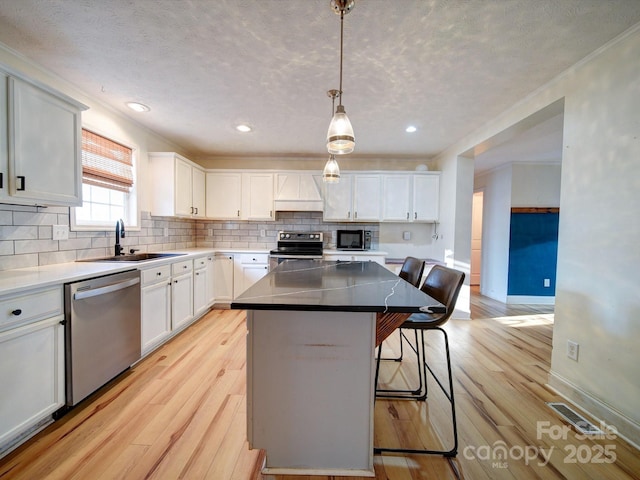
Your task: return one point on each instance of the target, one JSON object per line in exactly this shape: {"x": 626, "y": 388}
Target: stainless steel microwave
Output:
{"x": 353, "y": 239}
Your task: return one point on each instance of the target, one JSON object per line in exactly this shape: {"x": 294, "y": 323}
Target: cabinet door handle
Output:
{"x": 355, "y": 215}
{"x": 1, "y": 177}
{"x": 191, "y": 210}
{"x": 349, "y": 214}
{"x": 415, "y": 215}
{"x": 238, "y": 212}
{"x": 196, "y": 210}
{"x": 407, "y": 215}
{"x": 22, "y": 183}
{"x": 16, "y": 312}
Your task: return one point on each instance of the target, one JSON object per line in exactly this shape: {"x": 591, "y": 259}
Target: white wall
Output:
{"x": 597, "y": 301}
{"x": 496, "y": 221}
{"x": 536, "y": 185}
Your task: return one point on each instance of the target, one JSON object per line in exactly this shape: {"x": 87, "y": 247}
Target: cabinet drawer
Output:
{"x": 30, "y": 307}
{"x": 153, "y": 275}
{"x": 179, "y": 268}
{"x": 200, "y": 262}
{"x": 254, "y": 258}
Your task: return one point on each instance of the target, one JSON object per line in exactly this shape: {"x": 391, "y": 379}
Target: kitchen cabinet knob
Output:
{"x": 16, "y": 312}
{"x": 159, "y": 274}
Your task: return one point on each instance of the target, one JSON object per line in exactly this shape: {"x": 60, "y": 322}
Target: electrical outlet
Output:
{"x": 60, "y": 232}
{"x": 263, "y": 233}
{"x": 210, "y": 232}
{"x": 547, "y": 282}
{"x": 406, "y": 235}
{"x": 572, "y": 350}
{"x": 166, "y": 231}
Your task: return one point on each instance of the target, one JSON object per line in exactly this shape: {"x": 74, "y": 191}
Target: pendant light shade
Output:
{"x": 340, "y": 139}
{"x": 331, "y": 173}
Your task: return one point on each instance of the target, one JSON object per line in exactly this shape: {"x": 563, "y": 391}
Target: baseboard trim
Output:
{"x": 627, "y": 428}
{"x": 532, "y": 300}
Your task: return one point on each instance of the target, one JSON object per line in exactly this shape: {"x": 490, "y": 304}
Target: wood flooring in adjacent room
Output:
{"x": 180, "y": 413}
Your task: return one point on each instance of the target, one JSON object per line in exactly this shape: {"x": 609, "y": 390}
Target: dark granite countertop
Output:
{"x": 317, "y": 285}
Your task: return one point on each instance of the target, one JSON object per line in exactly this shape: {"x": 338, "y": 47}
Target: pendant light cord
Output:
{"x": 341, "y": 35}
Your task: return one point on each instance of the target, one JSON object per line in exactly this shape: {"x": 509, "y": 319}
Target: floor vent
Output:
{"x": 580, "y": 423}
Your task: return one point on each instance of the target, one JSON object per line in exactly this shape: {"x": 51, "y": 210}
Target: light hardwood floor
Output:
{"x": 180, "y": 413}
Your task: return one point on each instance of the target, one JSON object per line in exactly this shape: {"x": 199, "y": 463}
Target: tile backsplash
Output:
{"x": 26, "y": 235}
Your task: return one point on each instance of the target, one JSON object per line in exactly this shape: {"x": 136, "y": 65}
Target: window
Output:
{"x": 108, "y": 189}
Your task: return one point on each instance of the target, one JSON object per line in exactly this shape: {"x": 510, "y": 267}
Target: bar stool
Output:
{"x": 442, "y": 284}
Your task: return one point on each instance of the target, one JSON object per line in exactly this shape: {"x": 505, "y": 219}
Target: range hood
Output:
{"x": 298, "y": 192}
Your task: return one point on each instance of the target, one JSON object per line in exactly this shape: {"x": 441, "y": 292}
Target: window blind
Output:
{"x": 106, "y": 163}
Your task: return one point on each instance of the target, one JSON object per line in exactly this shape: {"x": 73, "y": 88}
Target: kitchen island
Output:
{"x": 310, "y": 362}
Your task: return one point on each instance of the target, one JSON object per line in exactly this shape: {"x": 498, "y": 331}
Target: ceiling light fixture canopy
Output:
{"x": 340, "y": 138}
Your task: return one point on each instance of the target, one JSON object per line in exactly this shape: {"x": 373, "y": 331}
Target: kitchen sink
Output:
{"x": 136, "y": 257}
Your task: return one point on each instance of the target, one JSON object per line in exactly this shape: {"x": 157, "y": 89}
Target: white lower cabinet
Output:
{"x": 223, "y": 281}
{"x": 201, "y": 284}
{"x": 181, "y": 294}
{"x": 249, "y": 268}
{"x": 156, "y": 306}
{"x": 31, "y": 362}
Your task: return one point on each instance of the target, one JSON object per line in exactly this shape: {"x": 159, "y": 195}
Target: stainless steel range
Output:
{"x": 296, "y": 246}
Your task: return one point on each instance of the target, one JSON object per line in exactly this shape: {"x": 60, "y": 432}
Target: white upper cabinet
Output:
{"x": 224, "y": 195}
{"x": 40, "y": 144}
{"x": 356, "y": 198}
{"x": 240, "y": 195}
{"x": 411, "y": 197}
{"x": 426, "y": 198}
{"x": 177, "y": 186}
{"x": 257, "y": 196}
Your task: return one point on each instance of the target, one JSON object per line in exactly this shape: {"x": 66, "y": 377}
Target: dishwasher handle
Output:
{"x": 104, "y": 290}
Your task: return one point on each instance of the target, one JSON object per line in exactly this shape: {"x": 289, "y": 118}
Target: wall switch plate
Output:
{"x": 572, "y": 350}
{"x": 60, "y": 232}
{"x": 166, "y": 231}
{"x": 263, "y": 233}
{"x": 406, "y": 235}
{"x": 547, "y": 282}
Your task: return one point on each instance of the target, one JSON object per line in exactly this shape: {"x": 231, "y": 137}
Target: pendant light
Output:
{"x": 331, "y": 172}
{"x": 340, "y": 138}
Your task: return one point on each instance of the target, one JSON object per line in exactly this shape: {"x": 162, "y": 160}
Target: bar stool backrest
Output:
{"x": 412, "y": 270}
{"x": 443, "y": 284}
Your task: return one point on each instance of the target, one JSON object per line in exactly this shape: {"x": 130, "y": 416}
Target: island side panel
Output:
{"x": 310, "y": 390}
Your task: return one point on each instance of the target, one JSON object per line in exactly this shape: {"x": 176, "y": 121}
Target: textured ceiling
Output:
{"x": 446, "y": 66}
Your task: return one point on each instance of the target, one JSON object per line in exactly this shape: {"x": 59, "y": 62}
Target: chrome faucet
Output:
{"x": 119, "y": 235}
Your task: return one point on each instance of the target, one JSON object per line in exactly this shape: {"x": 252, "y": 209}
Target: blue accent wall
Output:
{"x": 533, "y": 254}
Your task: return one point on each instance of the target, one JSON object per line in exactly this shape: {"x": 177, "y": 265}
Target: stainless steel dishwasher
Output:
{"x": 102, "y": 334}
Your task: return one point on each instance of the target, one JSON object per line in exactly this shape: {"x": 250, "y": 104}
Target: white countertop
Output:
{"x": 15, "y": 281}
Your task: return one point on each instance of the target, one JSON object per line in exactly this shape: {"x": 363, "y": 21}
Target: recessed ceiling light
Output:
{"x": 410, "y": 129}
{"x": 138, "y": 107}
{"x": 243, "y": 128}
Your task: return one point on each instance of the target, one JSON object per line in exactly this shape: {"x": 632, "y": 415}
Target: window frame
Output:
{"x": 133, "y": 215}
